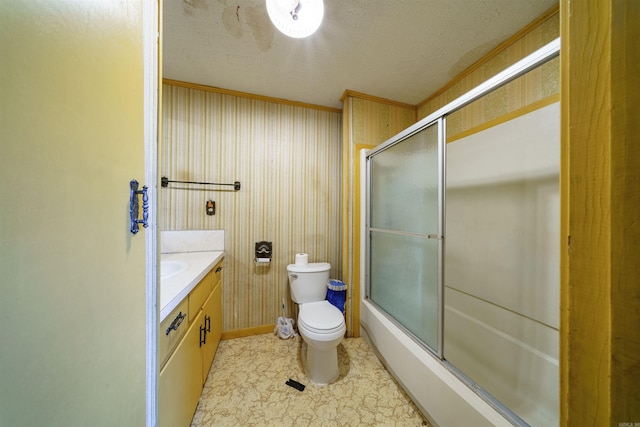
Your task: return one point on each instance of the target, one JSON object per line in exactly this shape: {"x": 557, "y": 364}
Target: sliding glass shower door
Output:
{"x": 493, "y": 322}
{"x": 405, "y": 232}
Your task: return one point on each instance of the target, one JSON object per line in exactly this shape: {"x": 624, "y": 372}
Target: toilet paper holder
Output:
{"x": 263, "y": 253}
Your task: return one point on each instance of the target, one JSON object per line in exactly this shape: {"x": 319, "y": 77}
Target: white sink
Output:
{"x": 172, "y": 268}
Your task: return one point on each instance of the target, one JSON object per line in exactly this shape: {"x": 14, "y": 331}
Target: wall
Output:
{"x": 367, "y": 122}
{"x": 539, "y": 85}
{"x": 287, "y": 158}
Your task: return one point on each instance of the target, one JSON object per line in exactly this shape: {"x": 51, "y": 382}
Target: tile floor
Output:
{"x": 246, "y": 387}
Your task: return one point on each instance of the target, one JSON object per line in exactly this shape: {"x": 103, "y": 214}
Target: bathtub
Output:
{"x": 448, "y": 398}
{"x": 441, "y": 396}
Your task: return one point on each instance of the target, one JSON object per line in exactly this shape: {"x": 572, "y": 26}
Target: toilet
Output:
{"x": 320, "y": 324}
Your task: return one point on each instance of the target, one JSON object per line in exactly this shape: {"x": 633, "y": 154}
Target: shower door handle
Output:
{"x": 435, "y": 236}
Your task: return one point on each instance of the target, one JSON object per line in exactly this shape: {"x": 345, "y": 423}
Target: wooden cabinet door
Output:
{"x": 216, "y": 316}
{"x": 171, "y": 331}
{"x": 180, "y": 382}
{"x": 212, "y": 312}
{"x": 199, "y": 295}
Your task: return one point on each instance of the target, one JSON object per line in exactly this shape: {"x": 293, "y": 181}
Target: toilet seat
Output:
{"x": 320, "y": 317}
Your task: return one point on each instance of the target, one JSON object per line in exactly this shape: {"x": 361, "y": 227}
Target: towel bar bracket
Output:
{"x": 165, "y": 183}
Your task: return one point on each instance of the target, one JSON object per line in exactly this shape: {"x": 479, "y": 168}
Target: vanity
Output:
{"x": 190, "y": 322}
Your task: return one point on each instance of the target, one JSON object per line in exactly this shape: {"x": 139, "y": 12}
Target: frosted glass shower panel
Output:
{"x": 404, "y": 182}
{"x": 502, "y": 267}
{"x": 403, "y": 221}
{"x": 404, "y": 282}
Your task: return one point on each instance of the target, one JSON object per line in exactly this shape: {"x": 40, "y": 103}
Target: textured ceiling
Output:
{"x": 402, "y": 50}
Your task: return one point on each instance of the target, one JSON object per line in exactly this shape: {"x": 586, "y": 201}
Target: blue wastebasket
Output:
{"x": 337, "y": 293}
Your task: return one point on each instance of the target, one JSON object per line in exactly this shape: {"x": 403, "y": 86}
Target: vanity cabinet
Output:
{"x": 185, "y": 371}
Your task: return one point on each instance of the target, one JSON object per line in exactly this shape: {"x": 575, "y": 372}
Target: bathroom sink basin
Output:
{"x": 172, "y": 268}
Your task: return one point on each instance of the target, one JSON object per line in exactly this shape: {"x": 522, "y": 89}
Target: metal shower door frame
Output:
{"x": 530, "y": 62}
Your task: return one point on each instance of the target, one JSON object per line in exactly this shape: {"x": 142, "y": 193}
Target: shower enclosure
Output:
{"x": 462, "y": 260}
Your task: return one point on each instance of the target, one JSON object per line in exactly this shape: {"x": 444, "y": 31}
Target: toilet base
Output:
{"x": 321, "y": 366}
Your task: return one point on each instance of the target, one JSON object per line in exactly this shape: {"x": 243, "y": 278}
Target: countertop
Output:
{"x": 174, "y": 289}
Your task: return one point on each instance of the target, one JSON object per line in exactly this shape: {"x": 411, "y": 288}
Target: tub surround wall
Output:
{"x": 287, "y": 158}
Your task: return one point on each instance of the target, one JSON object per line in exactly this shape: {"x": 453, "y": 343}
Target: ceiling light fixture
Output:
{"x": 296, "y": 18}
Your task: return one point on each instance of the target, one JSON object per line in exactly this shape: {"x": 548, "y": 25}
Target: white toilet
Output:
{"x": 320, "y": 324}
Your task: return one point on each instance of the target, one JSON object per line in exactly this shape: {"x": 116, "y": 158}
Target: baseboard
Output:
{"x": 247, "y": 332}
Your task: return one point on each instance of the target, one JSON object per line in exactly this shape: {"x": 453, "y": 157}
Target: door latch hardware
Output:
{"x": 133, "y": 206}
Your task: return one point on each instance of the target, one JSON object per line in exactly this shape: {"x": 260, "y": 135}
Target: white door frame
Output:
{"x": 151, "y": 39}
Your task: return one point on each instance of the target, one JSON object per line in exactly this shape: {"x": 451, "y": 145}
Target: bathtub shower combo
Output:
{"x": 461, "y": 261}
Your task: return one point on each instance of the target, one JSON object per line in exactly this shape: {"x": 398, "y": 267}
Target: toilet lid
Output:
{"x": 320, "y": 317}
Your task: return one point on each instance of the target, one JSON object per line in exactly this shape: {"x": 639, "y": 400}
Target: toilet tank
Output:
{"x": 308, "y": 282}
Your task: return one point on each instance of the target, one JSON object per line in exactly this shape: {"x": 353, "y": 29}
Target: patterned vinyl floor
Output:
{"x": 246, "y": 387}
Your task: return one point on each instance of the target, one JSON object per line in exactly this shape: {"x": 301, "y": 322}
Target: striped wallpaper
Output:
{"x": 541, "y": 84}
{"x": 287, "y": 159}
{"x": 367, "y": 122}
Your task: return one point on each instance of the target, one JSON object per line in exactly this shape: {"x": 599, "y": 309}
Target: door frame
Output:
{"x": 151, "y": 52}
